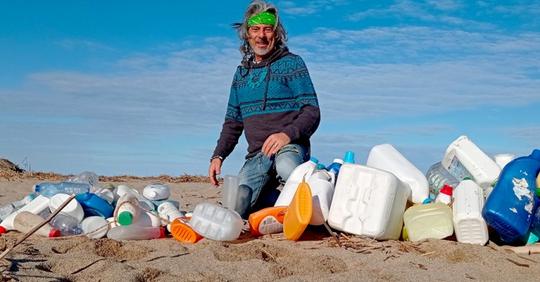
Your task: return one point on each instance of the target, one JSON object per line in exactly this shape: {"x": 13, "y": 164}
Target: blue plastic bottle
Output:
{"x": 93, "y": 205}
{"x": 509, "y": 209}
{"x": 49, "y": 189}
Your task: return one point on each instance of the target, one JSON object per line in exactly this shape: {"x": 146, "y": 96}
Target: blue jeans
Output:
{"x": 261, "y": 175}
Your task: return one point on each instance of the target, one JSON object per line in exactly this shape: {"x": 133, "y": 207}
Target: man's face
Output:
{"x": 261, "y": 38}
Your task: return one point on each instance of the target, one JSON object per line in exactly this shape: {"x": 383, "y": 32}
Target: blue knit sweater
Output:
{"x": 274, "y": 96}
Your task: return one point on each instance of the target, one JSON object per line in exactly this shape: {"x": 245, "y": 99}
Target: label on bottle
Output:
{"x": 458, "y": 170}
{"x": 270, "y": 225}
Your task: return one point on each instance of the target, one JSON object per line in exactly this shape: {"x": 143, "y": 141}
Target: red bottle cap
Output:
{"x": 162, "y": 232}
{"x": 55, "y": 233}
{"x": 2, "y": 230}
{"x": 447, "y": 190}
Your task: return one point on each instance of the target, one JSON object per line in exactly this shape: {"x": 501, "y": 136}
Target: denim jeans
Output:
{"x": 261, "y": 175}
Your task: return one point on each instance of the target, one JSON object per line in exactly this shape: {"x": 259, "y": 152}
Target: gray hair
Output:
{"x": 256, "y": 7}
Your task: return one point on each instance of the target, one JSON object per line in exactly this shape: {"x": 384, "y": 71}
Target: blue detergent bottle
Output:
{"x": 509, "y": 209}
{"x": 93, "y": 205}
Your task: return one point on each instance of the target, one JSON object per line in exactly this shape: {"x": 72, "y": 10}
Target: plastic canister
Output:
{"x": 321, "y": 183}
{"x": 216, "y": 223}
{"x": 183, "y": 232}
{"x": 386, "y": 157}
{"x": 95, "y": 227}
{"x": 469, "y": 225}
{"x": 464, "y": 159}
{"x": 511, "y": 204}
{"x": 135, "y": 232}
{"x": 127, "y": 209}
{"x": 25, "y": 221}
{"x": 156, "y": 191}
{"x": 503, "y": 159}
{"x": 300, "y": 172}
{"x": 94, "y": 205}
{"x": 36, "y": 206}
{"x": 429, "y": 221}
{"x": 73, "y": 208}
{"x": 368, "y": 201}
{"x": 267, "y": 221}
{"x": 299, "y": 212}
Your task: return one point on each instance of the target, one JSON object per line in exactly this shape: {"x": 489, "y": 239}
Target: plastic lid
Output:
{"x": 125, "y": 218}
{"x": 339, "y": 161}
{"x": 537, "y": 193}
{"x": 314, "y": 159}
{"x": 2, "y": 229}
{"x": 426, "y": 201}
{"x": 162, "y": 232}
{"x": 447, "y": 190}
{"x": 535, "y": 154}
{"x": 349, "y": 157}
{"x": 321, "y": 166}
{"x": 55, "y": 233}
{"x": 467, "y": 178}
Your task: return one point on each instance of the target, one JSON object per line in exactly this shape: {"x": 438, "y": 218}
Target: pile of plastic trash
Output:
{"x": 467, "y": 193}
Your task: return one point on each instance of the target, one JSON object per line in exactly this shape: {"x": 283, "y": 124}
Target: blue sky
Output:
{"x": 133, "y": 87}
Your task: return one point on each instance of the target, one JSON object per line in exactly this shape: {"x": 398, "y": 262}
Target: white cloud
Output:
{"x": 310, "y": 8}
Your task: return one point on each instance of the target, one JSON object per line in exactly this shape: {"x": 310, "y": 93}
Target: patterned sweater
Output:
{"x": 274, "y": 96}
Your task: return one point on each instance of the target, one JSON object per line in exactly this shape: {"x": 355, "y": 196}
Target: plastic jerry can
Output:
{"x": 321, "y": 183}
{"x": 464, "y": 159}
{"x": 36, "y": 206}
{"x": 183, "y": 232}
{"x": 368, "y": 201}
{"x": 299, "y": 213}
{"x": 469, "y": 225}
{"x": 429, "y": 221}
{"x": 267, "y": 221}
{"x": 135, "y": 232}
{"x": 511, "y": 204}
{"x": 216, "y": 223}
{"x": 386, "y": 157}
{"x": 289, "y": 189}
{"x": 25, "y": 221}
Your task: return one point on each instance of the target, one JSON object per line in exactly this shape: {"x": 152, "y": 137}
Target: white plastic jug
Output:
{"x": 216, "y": 223}
{"x": 464, "y": 159}
{"x": 368, "y": 201}
{"x": 503, "y": 159}
{"x": 289, "y": 189}
{"x": 36, "y": 206}
{"x": 156, "y": 191}
{"x": 321, "y": 183}
{"x": 169, "y": 211}
{"x": 95, "y": 227}
{"x": 386, "y": 157}
{"x": 73, "y": 209}
{"x": 469, "y": 225}
{"x": 427, "y": 221}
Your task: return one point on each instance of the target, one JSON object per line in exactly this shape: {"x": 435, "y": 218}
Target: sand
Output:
{"x": 316, "y": 257}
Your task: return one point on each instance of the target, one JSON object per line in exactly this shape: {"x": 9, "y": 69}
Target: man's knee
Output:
{"x": 287, "y": 159}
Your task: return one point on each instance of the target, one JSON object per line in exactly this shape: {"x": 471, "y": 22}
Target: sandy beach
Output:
{"x": 316, "y": 257}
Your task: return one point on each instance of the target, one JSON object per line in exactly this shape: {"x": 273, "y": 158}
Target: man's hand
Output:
{"x": 214, "y": 170}
{"x": 275, "y": 142}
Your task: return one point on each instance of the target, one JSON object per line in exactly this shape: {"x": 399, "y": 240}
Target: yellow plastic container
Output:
{"x": 430, "y": 221}
{"x": 299, "y": 213}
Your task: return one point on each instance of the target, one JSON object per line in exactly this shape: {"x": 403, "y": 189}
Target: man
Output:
{"x": 273, "y": 100}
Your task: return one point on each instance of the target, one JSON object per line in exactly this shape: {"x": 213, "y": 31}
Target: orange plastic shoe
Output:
{"x": 299, "y": 212}
{"x": 182, "y": 232}
{"x": 267, "y": 221}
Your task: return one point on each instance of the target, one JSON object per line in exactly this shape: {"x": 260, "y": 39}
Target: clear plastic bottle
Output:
{"x": 26, "y": 221}
{"x": 49, "y": 189}
{"x": 67, "y": 224}
{"x": 135, "y": 232}
{"x": 169, "y": 211}
{"x": 437, "y": 176}
{"x": 85, "y": 177}
{"x": 216, "y": 223}
{"x": 8, "y": 209}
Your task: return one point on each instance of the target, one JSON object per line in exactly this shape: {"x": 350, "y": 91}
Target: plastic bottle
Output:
{"x": 8, "y": 209}
{"x": 25, "y": 221}
{"x": 298, "y": 213}
{"x": 36, "y": 206}
{"x": 216, "y": 223}
{"x": 85, "y": 177}
{"x": 67, "y": 224}
{"x": 386, "y": 157}
{"x": 105, "y": 194}
{"x": 49, "y": 189}
{"x": 438, "y": 176}
{"x": 289, "y": 189}
{"x": 510, "y": 207}
{"x": 183, "y": 232}
{"x": 127, "y": 209}
{"x": 267, "y": 221}
{"x": 169, "y": 211}
{"x": 445, "y": 195}
{"x": 232, "y": 196}
{"x": 135, "y": 232}
{"x": 73, "y": 208}
{"x": 95, "y": 227}
{"x": 335, "y": 166}
{"x": 503, "y": 159}
{"x": 469, "y": 224}
{"x": 156, "y": 191}
{"x": 94, "y": 205}
{"x": 429, "y": 221}
{"x": 464, "y": 159}
{"x": 321, "y": 183}
{"x": 143, "y": 202}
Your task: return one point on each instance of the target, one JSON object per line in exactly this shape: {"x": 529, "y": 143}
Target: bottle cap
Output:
{"x": 447, "y": 190}
{"x": 2, "y": 230}
{"x": 349, "y": 157}
{"x": 535, "y": 154}
{"x": 426, "y": 201}
{"x": 537, "y": 193}
{"x": 339, "y": 161}
{"x": 162, "y": 232}
{"x": 314, "y": 159}
{"x": 125, "y": 218}
{"x": 55, "y": 233}
{"x": 321, "y": 166}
